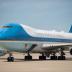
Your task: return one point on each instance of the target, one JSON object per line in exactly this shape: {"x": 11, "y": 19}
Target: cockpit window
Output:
{"x": 6, "y": 26}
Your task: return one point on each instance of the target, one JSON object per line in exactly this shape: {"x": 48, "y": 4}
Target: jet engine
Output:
{"x": 71, "y": 51}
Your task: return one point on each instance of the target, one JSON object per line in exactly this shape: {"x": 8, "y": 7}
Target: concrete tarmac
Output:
{"x": 35, "y": 65}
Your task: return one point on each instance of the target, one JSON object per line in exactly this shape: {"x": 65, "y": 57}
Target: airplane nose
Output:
{"x": 5, "y": 32}
{"x": 10, "y": 31}
{"x": 13, "y": 32}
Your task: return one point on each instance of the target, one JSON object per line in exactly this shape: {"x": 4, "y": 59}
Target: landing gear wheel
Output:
{"x": 28, "y": 57}
{"x": 53, "y": 57}
{"x": 61, "y": 58}
{"x": 42, "y": 57}
{"x": 62, "y": 55}
{"x": 10, "y": 59}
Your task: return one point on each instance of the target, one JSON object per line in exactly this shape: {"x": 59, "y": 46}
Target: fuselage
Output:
{"x": 15, "y": 37}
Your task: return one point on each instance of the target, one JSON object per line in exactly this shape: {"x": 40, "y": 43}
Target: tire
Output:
{"x": 10, "y": 59}
{"x": 28, "y": 57}
{"x": 42, "y": 57}
{"x": 61, "y": 58}
{"x": 53, "y": 57}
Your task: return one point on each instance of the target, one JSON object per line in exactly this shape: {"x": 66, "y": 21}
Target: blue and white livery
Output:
{"x": 22, "y": 38}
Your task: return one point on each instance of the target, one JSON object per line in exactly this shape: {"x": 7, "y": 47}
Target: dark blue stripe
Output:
{"x": 48, "y": 39}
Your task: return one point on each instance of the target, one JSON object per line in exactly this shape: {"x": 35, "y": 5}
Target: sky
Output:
{"x": 42, "y": 14}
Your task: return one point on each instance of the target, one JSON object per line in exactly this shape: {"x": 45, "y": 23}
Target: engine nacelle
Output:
{"x": 71, "y": 51}
{"x": 3, "y": 52}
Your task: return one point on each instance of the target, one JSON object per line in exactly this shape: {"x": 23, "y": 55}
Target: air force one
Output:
{"x": 24, "y": 39}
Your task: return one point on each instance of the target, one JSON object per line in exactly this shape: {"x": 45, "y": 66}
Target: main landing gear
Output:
{"x": 53, "y": 57}
{"x": 10, "y": 58}
{"x": 42, "y": 57}
{"x": 28, "y": 57}
{"x": 62, "y": 56}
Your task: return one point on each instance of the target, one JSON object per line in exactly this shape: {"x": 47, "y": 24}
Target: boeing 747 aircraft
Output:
{"x": 24, "y": 39}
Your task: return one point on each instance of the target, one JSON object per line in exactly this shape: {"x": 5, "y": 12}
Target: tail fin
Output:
{"x": 70, "y": 29}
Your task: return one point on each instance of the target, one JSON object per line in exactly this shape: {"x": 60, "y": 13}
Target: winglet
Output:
{"x": 70, "y": 29}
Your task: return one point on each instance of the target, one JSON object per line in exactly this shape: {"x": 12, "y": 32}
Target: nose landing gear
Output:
{"x": 10, "y": 58}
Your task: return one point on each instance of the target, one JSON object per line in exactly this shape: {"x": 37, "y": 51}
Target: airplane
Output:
{"x": 21, "y": 38}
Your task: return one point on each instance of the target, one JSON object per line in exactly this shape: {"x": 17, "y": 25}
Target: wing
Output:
{"x": 65, "y": 46}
